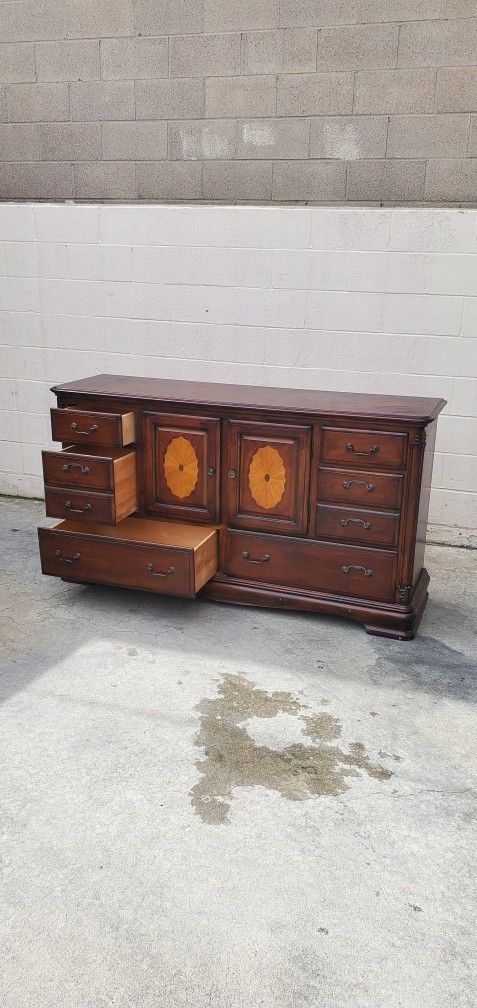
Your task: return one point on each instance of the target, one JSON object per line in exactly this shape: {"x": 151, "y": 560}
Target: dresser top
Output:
{"x": 342, "y": 404}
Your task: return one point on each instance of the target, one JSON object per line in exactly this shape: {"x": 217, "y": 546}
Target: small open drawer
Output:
{"x": 91, "y": 468}
{"x": 84, "y": 427}
{"x": 93, "y": 485}
{"x": 165, "y": 557}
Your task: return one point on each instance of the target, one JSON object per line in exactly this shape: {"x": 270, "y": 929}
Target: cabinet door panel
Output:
{"x": 182, "y": 466}
{"x": 266, "y": 482}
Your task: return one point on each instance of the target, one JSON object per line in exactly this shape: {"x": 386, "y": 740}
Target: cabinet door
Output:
{"x": 266, "y": 481}
{"x": 182, "y": 466}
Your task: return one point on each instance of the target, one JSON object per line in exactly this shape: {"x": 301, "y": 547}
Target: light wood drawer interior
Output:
{"x": 97, "y": 485}
{"x": 165, "y": 557}
{"x": 86, "y": 427}
{"x": 90, "y": 468}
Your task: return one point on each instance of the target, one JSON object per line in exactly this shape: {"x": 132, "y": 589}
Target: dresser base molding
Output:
{"x": 379, "y": 619}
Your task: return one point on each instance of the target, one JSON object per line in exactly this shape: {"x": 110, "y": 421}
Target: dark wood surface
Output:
{"x": 379, "y": 618}
{"x": 318, "y": 566}
{"x": 165, "y": 390}
{"x": 355, "y": 486}
{"x": 168, "y": 558}
{"x": 78, "y": 469}
{"x": 320, "y": 497}
{"x": 87, "y": 427}
{"x": 84, "y": 505}
{"x": 202, "y": 435}
{"x": 243, "y": 439}
{"x": 357, "y": 525}
{"x": 354, "y": 447}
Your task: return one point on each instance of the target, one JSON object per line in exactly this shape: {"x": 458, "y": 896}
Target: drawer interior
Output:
{"x": 87, "y": 427}
{"x": 92, "y": 467}
{"x": 96, "y": 483}
{"x": 168, "y": 557}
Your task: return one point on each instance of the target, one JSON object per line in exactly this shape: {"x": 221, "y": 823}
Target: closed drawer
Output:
{"x": 81, "y": 505}
{"x": 162, "y": 557}
{"x": 357, "y": 487}
{"x": 334, "y": 568}
{"x": 351, "y": 446}
{"x": 85, "y": 427}
{"x": 356, "y": 525}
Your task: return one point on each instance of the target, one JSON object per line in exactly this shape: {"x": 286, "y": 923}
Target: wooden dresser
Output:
{"x": 270, "y": 497}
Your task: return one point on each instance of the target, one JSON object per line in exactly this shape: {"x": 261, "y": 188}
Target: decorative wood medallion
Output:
{"x": 267, "y": 477}
{"x": 181, "y": 467}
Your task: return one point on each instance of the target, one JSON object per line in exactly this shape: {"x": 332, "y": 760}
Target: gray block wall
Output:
{"x": 239, "y": 100}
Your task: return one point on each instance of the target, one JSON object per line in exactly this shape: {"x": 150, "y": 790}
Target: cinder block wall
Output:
{"x": 348, "y": 299}
{"x": 239, "y": 100}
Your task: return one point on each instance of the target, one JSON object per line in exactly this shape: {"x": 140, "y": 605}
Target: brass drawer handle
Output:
{"x": 76, "y": 556}
{"x": 348, "y": 483}
{"x": 166, "y": 573}
{"x": 76, "y": 465}
{"x": 372, "y": 451}
{"x": 356, "y": 567}
{"x": 69, "y": 507}
{"x": 264, "y": 559}
{"x": 92, "y": 430}
{"x": 355, "y": 521}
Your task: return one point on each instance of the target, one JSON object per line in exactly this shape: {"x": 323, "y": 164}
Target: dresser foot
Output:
{"x": 403, "y": 624}
{"x": 395, "y": 633}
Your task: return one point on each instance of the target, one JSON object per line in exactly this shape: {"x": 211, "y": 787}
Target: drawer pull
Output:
{"x": 355, "y": 521}
{"x": 69, "y": 507}
{"x": 92, "y": 430}
{"x": 76, "y": 465}
{"x": 348, "y": 483}
{"x": 356, "y": 567}
{"x": 372, "y": 451}
{"x": 264, "y": 559}
{"x": 76, "y": 556}
{"x": 232, "y": 473}
{"x": 166, "y": 573}
{"x": 211, "y": 471}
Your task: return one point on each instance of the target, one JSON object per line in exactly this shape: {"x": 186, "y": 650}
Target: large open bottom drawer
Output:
{"x": 159, "y": 556}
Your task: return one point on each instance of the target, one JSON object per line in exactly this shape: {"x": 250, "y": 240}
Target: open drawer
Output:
{"x": 165, "y": 557}
{"x": 85, "y": 427}
{"x": 94, "y": 484}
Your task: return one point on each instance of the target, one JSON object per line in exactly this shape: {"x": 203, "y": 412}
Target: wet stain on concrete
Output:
{"x": 428, "y": 665}
{"x": 232, "y": 759}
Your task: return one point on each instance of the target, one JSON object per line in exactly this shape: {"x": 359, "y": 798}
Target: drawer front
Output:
{"x": 356, "y": 525}
{"x": 358, "y": 487}
{"x": 85, "y": 427}
{"x": 356, "y": 447}
{"x": 77, "y": 470}
{"x": 80, "y": 505}
{"x": 163, "y": 569}
{"x": 335, "y": 568}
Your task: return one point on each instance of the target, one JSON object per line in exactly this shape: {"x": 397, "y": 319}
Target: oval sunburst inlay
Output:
{"x": 267, "y": 477}
{"x": 181, "y": 467}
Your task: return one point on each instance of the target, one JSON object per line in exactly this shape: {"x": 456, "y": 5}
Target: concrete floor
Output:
{"x": 207, "y": 806}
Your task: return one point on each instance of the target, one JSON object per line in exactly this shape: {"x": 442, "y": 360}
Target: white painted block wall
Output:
{"x": 372, "y": 300}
